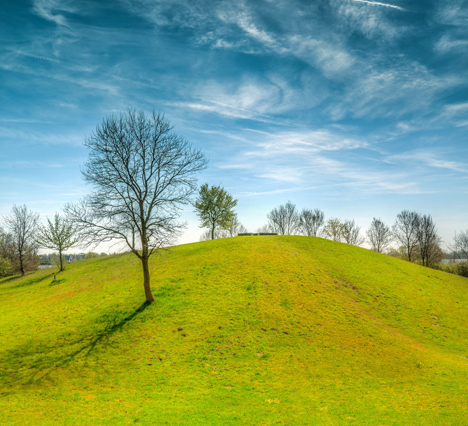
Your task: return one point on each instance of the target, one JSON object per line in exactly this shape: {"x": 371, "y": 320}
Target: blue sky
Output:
{"x": 359, "y": 108}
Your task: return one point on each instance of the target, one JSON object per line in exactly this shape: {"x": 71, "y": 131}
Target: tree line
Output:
{"x": 21, "y": 236}
{"x": 413, "y": 236}
{"x": 142, "y": 174}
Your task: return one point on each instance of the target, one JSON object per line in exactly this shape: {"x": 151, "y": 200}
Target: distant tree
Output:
{"x": 142, "y": 174}
{"x": 58, "y": 235}
{"x": 404, "y": 231}
{"x": 428, "y": 240}
{"x": 333, "y": 229}
{"x": 6, "y": 264}
{"x": 22, "y": 227}
{"x": 379, "y": 235}
{"x": 91, "y": 255}
{"x": 265, "y": 229}
{"x": 460, "y": 245}
{"x": 351, "y": 233}
{"x": 310, "y": 222}
{"x": 215, "y": 208}
{"x": 206, "y": 235}
{"x": 399, "y": 252}
{"x": 233, "y": 228}
{"x": 284, "y": 220}
{"x": 6, "y": 267}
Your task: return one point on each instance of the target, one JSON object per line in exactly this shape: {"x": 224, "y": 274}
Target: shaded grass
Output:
{"x": 256, "y": 330}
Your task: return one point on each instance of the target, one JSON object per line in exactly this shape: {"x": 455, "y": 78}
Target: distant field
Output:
{"x": 263, "y": 330}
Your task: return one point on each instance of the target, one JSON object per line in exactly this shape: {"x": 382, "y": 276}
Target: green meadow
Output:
{"x": 245, "y": 331}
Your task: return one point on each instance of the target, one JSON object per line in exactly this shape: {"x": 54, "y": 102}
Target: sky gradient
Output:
{"x": 359, "y": 108}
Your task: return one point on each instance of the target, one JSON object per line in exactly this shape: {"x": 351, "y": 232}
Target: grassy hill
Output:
{"x": 245, "y": 331}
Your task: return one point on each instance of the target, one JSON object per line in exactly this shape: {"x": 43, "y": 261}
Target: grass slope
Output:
{"x": 252, "y": 330}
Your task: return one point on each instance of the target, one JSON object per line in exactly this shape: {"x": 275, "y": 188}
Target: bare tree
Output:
{"x": 333, "y": 229}
{"x": 284, "y": 220}
{"x": 233, "y": 228}
{"x": 310, "y": 222}
{"x": 6, "y": 255}
{"x": 59, "y": 235}
{"x": 460, "y": 245}
{"x": 404, "y": 231}
{"x": 428, "y": 239}
{"x": 351, "y": 233}
{"x": 142, "y": 174}
{"x": 22, "y": 226}
{"x": 264, "y": 229}
{"x": 215, "y": 208}
{"x": 379, "y": 235}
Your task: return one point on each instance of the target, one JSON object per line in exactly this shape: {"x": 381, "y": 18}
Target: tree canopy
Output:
{"x": 215, "y": 208}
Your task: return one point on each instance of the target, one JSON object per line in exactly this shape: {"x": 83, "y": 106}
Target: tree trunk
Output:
{"x": 146, "y": 279}
{"x": 61, "y": 260}
{"x": 21, "y": 263}
{"x": 213, "y": 232}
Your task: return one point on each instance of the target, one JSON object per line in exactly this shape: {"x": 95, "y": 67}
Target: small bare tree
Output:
{"x": 460, "y": 245}
{"x": 142, "y": 174}
{"x": 404, "y": 231}
{"x": 310, "y": 222}
{"x": 284, "y": 220}
{"x": 351, "y": 233}
{"x": 58, "y": 235}
{"x": 379, "y": 235}
{"x": 428, "y": 239}
{"x": 22, "y": 226}
{"x": 233, "y": 228}
{"x": 264, "y": 229}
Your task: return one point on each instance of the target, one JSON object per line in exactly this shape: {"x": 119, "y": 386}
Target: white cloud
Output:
{"x": 408, "y": 87}
{"x": 48, "y": 9}
{"x": 283, "y": 174}
{"x": 448, "y": 43}
{"x": 302, "y": 143}
{"x": 457, "y": 108}
{"x": 431, "y": 159}
{"x": 452, "y": 12}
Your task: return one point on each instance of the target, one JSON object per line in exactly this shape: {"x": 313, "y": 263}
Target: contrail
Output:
{"x": 44, "y": 58}
{"x": 376, "y": 3}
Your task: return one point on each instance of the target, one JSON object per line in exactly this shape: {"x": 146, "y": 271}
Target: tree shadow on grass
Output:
{"x": 8, "y": 279}
{"x": 26, "y": 281}
{"x": 31, "y": 362}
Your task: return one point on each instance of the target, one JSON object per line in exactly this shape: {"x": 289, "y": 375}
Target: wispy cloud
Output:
{"x": 300, "y": 143}
{"x": 407, "y": 88}
{"x": 49, "y": 10}
{"x": 452, "y": 12}
{"x": 448, "y": 43}
{"x": 25, "y": 164}
{"x": 431, "y": 159}
{"x": 273, "y": 192}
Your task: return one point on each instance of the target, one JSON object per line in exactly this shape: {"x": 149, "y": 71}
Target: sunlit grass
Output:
{"x": 253, "y": 330}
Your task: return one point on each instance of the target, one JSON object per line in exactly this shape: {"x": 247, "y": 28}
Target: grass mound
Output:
{"x": 248, "y": 330}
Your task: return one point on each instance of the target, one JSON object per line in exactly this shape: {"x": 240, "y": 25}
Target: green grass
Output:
{"x": 244, "y": 331}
